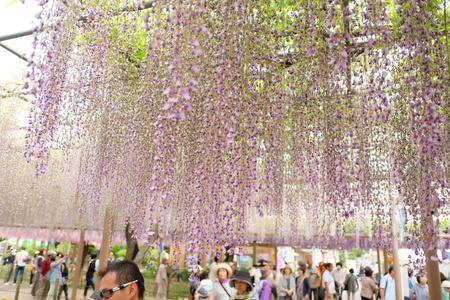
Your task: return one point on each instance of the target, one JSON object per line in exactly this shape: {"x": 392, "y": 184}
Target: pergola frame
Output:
{"x": 28, "y": 32}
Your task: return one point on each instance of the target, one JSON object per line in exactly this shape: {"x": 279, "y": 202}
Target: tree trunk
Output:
{"x": 132, "y": 247}
{"x": 141, "y": 254}
{"x": 85, "y": 252}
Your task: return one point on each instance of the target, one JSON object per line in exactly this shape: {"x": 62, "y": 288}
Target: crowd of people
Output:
{"x": 49, "y": 273}
{"x": 263, "y": 283}
{"x": 305, "y": 282}
{"x": 48, "y": 270}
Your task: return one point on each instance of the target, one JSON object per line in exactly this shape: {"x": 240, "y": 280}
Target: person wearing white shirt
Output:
{"x": 328, "y": 282}
{"x": 21, "y": 259}
{"x": 339, "y": 278}
{"x": 256, "y": 274}
{"x": 387, "y": 285}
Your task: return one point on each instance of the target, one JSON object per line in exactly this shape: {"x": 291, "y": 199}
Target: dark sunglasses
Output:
{"x": 107, "y": 293}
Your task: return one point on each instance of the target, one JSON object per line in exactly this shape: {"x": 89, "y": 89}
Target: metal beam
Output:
{"x": 146, "y": 5}
{"x": 22, "y": 56}
{"x": 16, "y": 35}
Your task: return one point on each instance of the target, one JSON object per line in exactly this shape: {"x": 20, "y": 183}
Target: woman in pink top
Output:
{"x": 368, "y": 286}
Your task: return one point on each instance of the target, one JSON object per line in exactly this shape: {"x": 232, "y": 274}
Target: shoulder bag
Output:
{"x": 225, "y": 289}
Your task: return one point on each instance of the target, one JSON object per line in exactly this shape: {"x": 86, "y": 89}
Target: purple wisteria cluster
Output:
{"x": 222, "y": 122}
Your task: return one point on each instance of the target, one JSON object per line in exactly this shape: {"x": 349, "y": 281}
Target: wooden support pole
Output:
{"x": 254, "y": 254}
{"x": 380, "y": 274}
{"x": 395, "y": 238}
{"x": 20, "y": 279}
{"x": 433, "y": 275}
{"x": 68, "y": 251}
{"x": 203, "y": 260}
{"x": 386, "y": 261}
{"x": 76, "y": 278}
{"x": 104, "y": 248}
{"x": 75, "y": 249}
{"x": 396, "y": 263}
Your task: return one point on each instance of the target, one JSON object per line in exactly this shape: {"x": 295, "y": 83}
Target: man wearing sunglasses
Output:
{"x": 122, "y": 281}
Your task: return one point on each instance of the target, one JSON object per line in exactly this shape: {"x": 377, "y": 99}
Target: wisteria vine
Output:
{"x": 222, "y": 122}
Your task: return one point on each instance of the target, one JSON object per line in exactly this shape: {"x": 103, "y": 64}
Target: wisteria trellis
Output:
{"x": 205, "y": 116}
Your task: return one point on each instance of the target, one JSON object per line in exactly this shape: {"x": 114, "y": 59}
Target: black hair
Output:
{"x": 391, "y": 268}
{"x": 443, "y": 278}
{"x": 216, "y": 259}
{"x": 351, "y": 271}
{"x": 55, "y": 255}
{"x": 204, "y": 275}
{"x": 339, "y": 264}
{"x": 327, "y": 265}
{"x": 249, "y": 288}
{"x": 368, "y": 272}
{"x": 418, "y": 277}
{"x": 93, "y": 255}
{"x": 126, "y": 271}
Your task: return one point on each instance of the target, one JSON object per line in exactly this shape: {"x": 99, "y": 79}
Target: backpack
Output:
{"x": 312, "y": 279}
{"x": 64, "y": 270}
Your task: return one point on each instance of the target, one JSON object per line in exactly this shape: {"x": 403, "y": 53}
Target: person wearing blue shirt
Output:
{"x": 420, "y": 290}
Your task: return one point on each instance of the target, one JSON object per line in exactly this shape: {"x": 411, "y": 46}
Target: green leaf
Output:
{"x": 12, "y": 2}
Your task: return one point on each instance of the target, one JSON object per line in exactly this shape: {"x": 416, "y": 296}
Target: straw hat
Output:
{"x": 286, "y": 267}
{"x": 222, "y": 266}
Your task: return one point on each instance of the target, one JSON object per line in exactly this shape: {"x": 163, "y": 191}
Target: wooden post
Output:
{"x": 104, "y": 247}
{"x": 19, "y": 282}
{"x": 386, "y": 261}
{"x": 254, "y": 254}
{"x": 434, "y": 278}
{"x": 203, "y": 260}
{"x": 395, "y": 238}
{"x": 397, "y": 275}
{"x": 76, "y": 278}
{"x": 75, "y": 249}
{"x": 1, "y": 268}
{"x": 433, "y": 275}
{"x": 379, "y": 266}
{"x": 68, "y": 251}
